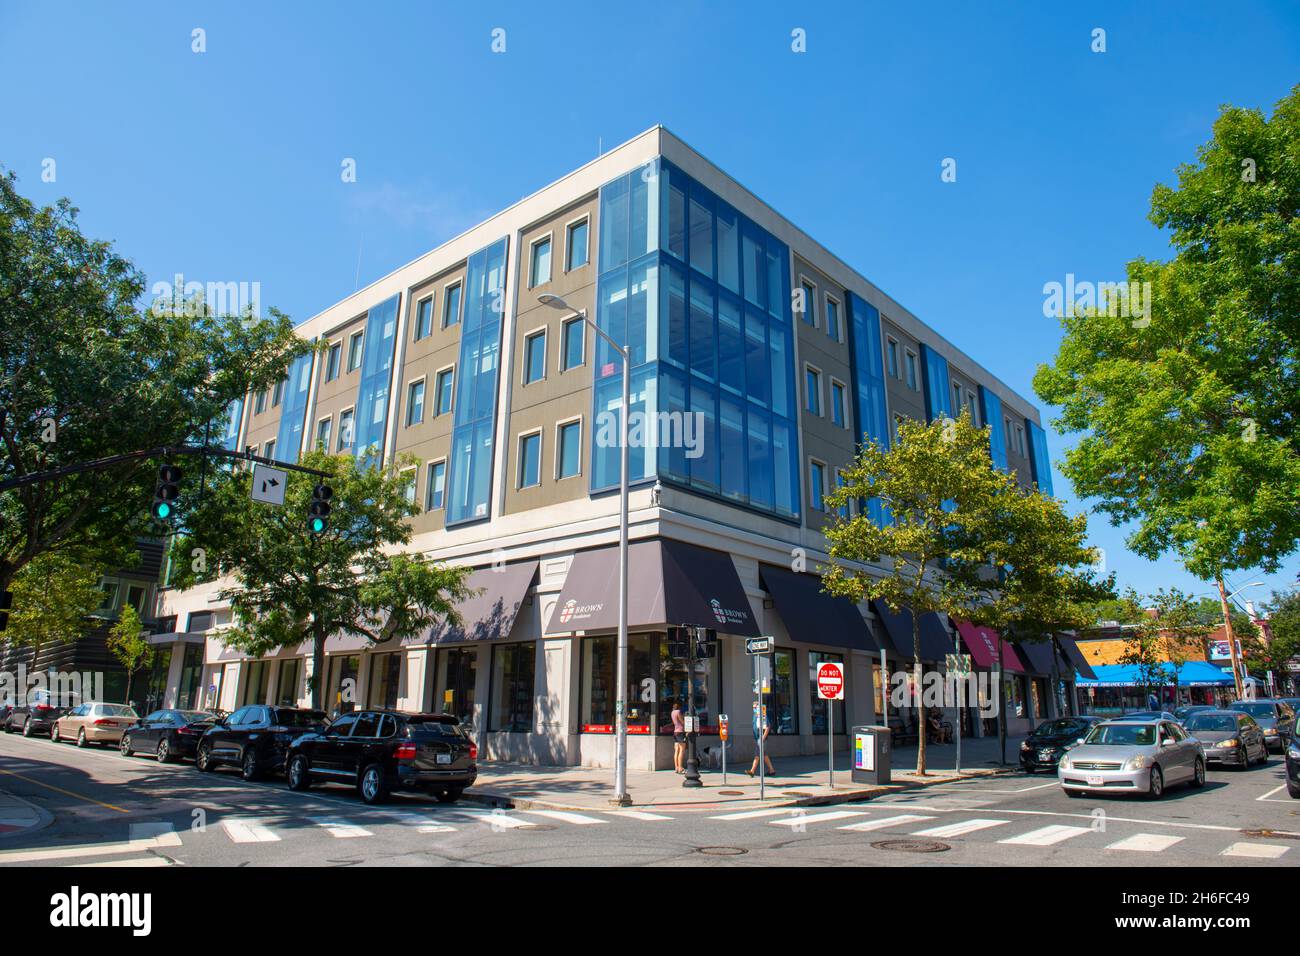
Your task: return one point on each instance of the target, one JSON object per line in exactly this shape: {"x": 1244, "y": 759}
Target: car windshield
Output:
{"x": 1256, "y": 710}
{"x": 117, "y": 710}
{"x": 191, "y": 716}
{"x": 1057, "y": 728}
{"x": 1224, "y": 722}
{"x": 1120, "y": 735}
{"x": 300, "y": 718}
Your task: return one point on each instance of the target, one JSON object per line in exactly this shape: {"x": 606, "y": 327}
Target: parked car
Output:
{"x": 1135, "y": 756}
{"x": 5, "y": 711}
{"x": 1274, "y": 716}
{"x": 94, "y": 723}
{"x": 1292, "y": 702}
{"x": 255, "y": 738}
{"x": 1229, "y": 737}
{"x": 1147, "y": 715}
{"x": 1293, "y": 761}
{"x": 40, "y": 712}
{"x": 1043, "y": 748}
{"x": 379, "y": 751}
{"x": 1182, "y": 713}
{"x": 167, "y": 734}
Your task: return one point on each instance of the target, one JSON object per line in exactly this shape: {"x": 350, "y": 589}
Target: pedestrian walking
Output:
{"x": 679, "y": 737}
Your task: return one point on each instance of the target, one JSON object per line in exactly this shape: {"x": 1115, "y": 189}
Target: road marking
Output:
{"x": 1146, "y": 842}
{"x": 752, "y": 814}
{"x": 141, "y": 861}
{"x": 799, "y": 819}
{"x": 154, "y": 833}
{"x": 641, "y": 815}
{"x": 498, "y": 820}
{"x": 1255, "y": 851}
{"x": 565, "y": 817}
{"x": 898, "y": 821}
{"x": 1273, "y": 791}
{"x": 975, "y": 789}
{"x": 246, "y": 831}
{"x": 72, "y": 852}
{"x": 960, "y": 829}
{"x": 340, "y": 829}
{"x": 422, "y": 824}
{"x": 1047, "y": 836}
{"x": 66, "y": 793}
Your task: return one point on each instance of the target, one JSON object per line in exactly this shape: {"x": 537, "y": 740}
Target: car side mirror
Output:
{"x": 1079, "y": 741}
{"x": 1167, "y": 742}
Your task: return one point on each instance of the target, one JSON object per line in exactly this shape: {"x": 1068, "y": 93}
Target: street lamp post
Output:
{"x": 621, "y": 797}
{"x": 1238, "y": 679}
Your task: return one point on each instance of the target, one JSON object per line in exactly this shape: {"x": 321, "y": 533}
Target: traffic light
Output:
{"x": 6, "y": 602}
{"x": 318, "y": 512}
{"x": 679, "y": 643}
{"x": 166, "y": 492}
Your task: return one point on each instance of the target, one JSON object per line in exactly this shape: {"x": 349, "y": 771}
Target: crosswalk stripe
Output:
{"x": 1256, "y": 851}
{"x": 565, "y": 817}
{"x": 341, "y": 830}
{"x": 641, "y": 815}
{"x": 752, "y": 814}
{"x": 1046, "y": 836}
{"x": 800, "y": 819}
{"x": 72, "y": 852}
{"x": 421, "y": 823}
{"x": 1146, "y": 842}
{"x": 138, "y": 861}
{"x": 497, "y": 819}
{"x": 960, "y": 829}
{"x": 246, "y": 831}
{"x": 901, "y": 820}
{"x": 153, "y": 834}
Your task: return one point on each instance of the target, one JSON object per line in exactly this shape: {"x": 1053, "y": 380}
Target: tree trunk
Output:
{"x": 317, "y": 666}
{"x": 920, "y": 693}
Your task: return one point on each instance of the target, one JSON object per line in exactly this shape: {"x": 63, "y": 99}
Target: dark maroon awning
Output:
{"x": 810, "y": 615}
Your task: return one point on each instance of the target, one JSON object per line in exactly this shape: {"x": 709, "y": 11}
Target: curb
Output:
{"x": 43, "y": 818}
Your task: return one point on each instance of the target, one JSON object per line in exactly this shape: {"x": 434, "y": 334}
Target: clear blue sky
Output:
{"x": 225, "y": 165}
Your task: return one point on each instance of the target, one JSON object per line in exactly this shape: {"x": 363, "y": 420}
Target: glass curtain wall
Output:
{"x": 991, "y": 413}
{"x": 376, "y": 368}
{"x": 870, "y": 410}
{"x": 293, "y": 415}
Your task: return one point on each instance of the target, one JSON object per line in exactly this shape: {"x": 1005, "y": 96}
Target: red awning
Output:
{"x": 982, "y": 642}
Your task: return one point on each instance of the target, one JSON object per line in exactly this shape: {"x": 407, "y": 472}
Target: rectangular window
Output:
{"x": 599, "y": 655}
{"x": 846, "y": 509}
{"x": 833, "y": 319}
{"x": 576, "y": 245}
{"x": 268, "y": 450}
{"x": 277, "y": 393}
{"x": 442, "y": 398}
{"x": 332, "y": 363}
{"x": 345, "y": 430}
{"x": 451, "y": 305}
{"x": 530, "y": 460}
{"x": 354, "y": 350}
{"x": 974, "y": 408}
{"x": 385, "y": 673}
{"x": 956, "y": 399}
{"x": 816, "y": 486}
{"x": 568, "y": 449}
{"x": 409, "y": 479}
{"x": 837, "y": 404}
{"x": 891, "y": 354}
{"x": 424, "y": 317}
{"x": 541, "y": 266}
{"x": 573, "y": 335}
{"x": 323, "y": 433}
{"x": 535, "y": 357}
{"x": 782, "y": 706}
{"x": 437, "y": 486}
{"x": 912, "y": 382}
{"x": 415, "y": 403}
{"x": 809, "y": 312}
{"x": 259, "y": 403}
{"x": 513, "y": 667}
{"x": 812, "y": 385}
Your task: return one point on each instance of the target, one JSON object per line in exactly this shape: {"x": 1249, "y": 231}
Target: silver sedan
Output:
{"x": 1134, "y": 756}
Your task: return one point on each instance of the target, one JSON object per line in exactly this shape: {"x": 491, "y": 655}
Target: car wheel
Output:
{"x": 124, "y": 745}
{"x": 1075, "y": 794}
{"x": 27, "y": 727}
{"x": 373, "y": 787}
{"x": 54, "y": 731}
{"x": 1243, "y": 758}
{"x": 1293, "y": 789}
{"x": 450, "y": 795}
{"x": 1155, "y": 784}
{"x": 1198, "y": 774}
{"x": 1263, "y": 755}
{"x": 164, "y": 751}
{"x": 203, "y": 758}
{"x": 299, "y": 775}
{"x": 249, "y": 766}
{"x": 81, "y": 737}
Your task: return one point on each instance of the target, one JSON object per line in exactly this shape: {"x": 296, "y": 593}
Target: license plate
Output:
{"x": 1095, "y": 781}
{"x": 444, "y": 758}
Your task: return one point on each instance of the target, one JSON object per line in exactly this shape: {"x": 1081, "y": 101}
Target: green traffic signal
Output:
{"x": 162, "y": 510}
{"x": 316, "y": 525}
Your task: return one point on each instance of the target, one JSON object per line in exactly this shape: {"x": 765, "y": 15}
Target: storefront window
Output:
{"x": 342, "y": 685}
{"x": 599, "y": 655}
{"x": 1015, "y": 696}
{"x": 459, "y": 676}
{"x": 782, "y": 704}
{"x": 191, "y": 673}
{"x": 513, "y": 668}
{"x": 385, "y": 675}
{"x": 286, "y": 686}
{"x": 815, "y": 660}
{"x": 674, "y": 684}
{"x": 255, "y": 683}
{"x": 1063, "y": 699}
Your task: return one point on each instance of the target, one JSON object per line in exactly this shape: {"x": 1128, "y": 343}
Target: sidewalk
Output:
{"x": 800, "y": 781}
{"x": 18, "y": 816}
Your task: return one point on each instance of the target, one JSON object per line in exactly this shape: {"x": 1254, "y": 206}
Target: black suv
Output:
{"x": 383, "y": 750}
{"x": 1043, "y": 748}
{"x": 255, "y": 738}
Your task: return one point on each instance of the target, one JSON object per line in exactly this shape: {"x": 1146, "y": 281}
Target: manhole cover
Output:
{"x": 731, "y": 793}
{"x": 721, "y": 850}
{"x": 912, "y": 846}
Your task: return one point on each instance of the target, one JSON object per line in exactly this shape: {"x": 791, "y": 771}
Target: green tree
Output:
{"x": 287, "y": 585}
{"x": 128, "y": 642}
{"x": 53, "y": 597}
{"x": 1180, "y": 627}
{"x": 1284, "y": 622}
{"x": 87, "y": 373}
{"x": 1187, "y": 413}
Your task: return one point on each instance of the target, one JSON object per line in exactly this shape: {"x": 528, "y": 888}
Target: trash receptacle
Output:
{"x": 871, "y": 760}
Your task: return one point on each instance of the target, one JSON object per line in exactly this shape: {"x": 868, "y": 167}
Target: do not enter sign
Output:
{"x": 830, "y": 682}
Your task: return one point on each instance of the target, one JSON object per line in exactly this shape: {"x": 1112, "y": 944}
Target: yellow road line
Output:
{"x": 68, "y": 793}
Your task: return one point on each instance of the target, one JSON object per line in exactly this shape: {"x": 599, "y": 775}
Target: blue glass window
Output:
{"x": 376, "y": 370}
{"x": 812, "y": 391}
{"x": 1039, "y": 461}
{"x": 568, "y": 452}
{"x": 540, "y": 270}
{"x": 816, "y": 486}
{"x": 576, "y": 249}
{"x": 442, "y": 398}
{"x": 937, "y": 398}
{"x": 573, "y": 336}
{"x": 229, "y": 425}
{"x": 837, "y": 404}
{"x": 415, "y": 403}
{"x": 435, "y": 491}
{"x": 451, "y": 305}
{"x": 530, "y": 460}
{"x": 535, "y": 358}
{"x": 293, "y": 417}
{"x": 870, "y": 406}
{"x": 991, "y": 412}
{"x": 424, "y": 317}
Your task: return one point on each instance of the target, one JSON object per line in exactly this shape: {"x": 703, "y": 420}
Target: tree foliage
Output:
{"x": 53, "y": 597}
{"x": 129, "y": 644}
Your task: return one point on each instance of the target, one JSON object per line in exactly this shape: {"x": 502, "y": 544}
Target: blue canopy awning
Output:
{"x": 1191, "y": 674}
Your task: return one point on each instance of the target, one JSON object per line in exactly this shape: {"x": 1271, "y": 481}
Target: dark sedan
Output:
{"x": 167, "y": 734}
{"x": 379, "y": 751}
{"x": 1042, "y": 749}
{"x": 1275, "y": 717}
{"x": 1229, "y": 737}
{"x": 38, "y": 715}
{"x": 255, "y": 738}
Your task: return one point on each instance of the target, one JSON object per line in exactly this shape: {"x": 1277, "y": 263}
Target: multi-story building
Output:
{"x": 759, "y": 359}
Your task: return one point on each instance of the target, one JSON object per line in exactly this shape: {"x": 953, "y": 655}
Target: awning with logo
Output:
{"x": 810, "y": 615}
{"x": 490, "y": 613}
{"x": 936, "y": 644}
{"x": 982, "y": 643}
{"x": 669, "y": 583}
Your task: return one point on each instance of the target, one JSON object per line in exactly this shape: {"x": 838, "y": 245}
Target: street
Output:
{"x": 107, "y": 810}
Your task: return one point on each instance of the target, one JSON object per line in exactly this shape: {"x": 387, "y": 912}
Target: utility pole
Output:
{"x": 1232, "y": 638}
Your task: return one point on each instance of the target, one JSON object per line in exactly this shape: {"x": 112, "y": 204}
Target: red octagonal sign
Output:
{"x": 830, "y": 682}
